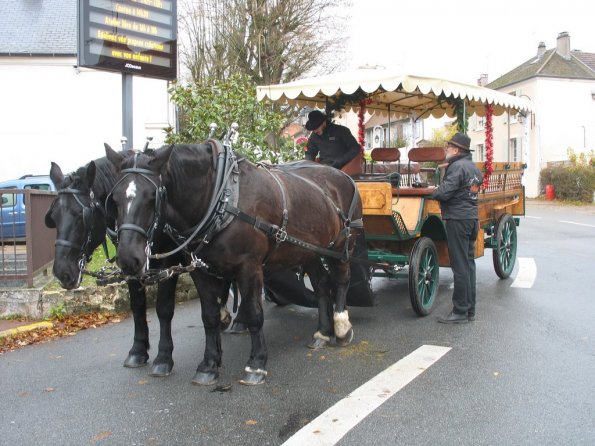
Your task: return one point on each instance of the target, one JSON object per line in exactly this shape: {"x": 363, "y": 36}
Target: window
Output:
{"x": 8, "y": 199}
{"x": 480, "y": 123}
{"x": 514, "y": 149}
{"x": 480, "y": 151}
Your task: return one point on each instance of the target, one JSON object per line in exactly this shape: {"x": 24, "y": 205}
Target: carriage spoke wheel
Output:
{"x": 504, "y": 251}
{"x": 423, "y": 276}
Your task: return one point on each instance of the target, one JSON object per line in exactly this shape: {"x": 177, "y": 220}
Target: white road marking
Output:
{"x": 525, "y": 278}
{"x": 531, "y": 216}
{"x": 328, "y": 428}
{"x": 578, "y": 224}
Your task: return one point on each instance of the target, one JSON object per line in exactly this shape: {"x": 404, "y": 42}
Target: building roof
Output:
{"x": 38, "y": 27}
{"x": 587, "y": 58}
{"x": 551, "y": 64}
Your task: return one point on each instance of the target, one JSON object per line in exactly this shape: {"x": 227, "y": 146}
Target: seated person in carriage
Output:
{"x": 332, "y": 143}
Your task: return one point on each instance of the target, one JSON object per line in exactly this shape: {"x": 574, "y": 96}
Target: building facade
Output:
{"x": 53, "y": 110}
{"x": 560, "y": 82}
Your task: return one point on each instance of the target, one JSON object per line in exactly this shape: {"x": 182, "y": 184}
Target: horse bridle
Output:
{"x": 160, "y": 203}
{"x": 88, "y": 222}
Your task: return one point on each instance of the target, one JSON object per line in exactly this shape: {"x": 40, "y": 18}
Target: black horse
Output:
{"x": 79, "y": 217}
{"x": 243, "y": 222}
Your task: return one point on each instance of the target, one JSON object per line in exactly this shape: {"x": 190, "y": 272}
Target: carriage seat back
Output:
{"x": 385, "y": 155}
{"x": 424, "y": 155}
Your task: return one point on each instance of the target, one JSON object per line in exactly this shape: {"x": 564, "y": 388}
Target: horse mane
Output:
{"x": 184, "y": 156}
{"x": 104, "y": 178}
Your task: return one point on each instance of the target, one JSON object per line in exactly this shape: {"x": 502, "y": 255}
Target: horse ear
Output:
{"x": 91, "y": 170}
{"x": 113, "y": 157}
{"x": 162, "y": 157}
{"x": 56, "y": 175}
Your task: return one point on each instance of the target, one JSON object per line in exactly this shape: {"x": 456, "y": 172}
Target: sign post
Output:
{"x": 134, "y": 37}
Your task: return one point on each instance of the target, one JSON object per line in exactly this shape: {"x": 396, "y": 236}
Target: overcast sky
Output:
{"x": 461, "y": 39}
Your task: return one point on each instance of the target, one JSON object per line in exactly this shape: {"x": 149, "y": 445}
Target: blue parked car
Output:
{"x": 12, "y": 219}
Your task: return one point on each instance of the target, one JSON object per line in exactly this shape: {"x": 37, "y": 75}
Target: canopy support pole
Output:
{"x": 388, "y": 145}
{"x": 508, "y": 133}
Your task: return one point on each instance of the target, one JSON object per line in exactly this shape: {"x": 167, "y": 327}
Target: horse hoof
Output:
{"x": 161, "y": 370}
{"x": 238, "y": 328}
{"x": 253, "y": 377}
{"x": 317, "y": 343}
{"x": 346, "y": 340}
{"x": 134, "y": 361}
{"x": 205, "y": 378}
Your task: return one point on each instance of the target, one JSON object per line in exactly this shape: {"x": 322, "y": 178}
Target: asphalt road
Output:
{"x": 523, "y": 373}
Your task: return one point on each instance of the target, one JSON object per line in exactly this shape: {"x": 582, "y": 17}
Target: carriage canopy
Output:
{"x": 390, "y": 93}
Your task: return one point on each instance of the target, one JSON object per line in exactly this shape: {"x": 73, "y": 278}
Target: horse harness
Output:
{"x": 223, "y": 209}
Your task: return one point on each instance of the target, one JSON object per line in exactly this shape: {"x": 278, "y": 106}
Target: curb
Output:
{"x": 24, "y": 328}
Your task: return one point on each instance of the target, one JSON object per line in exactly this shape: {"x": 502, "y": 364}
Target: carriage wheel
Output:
{"x": 504, "y": 252}
{"x": 423, "y": 276}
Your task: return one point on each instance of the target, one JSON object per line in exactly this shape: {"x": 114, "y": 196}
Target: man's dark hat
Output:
{"x": 315, "y": 118}
{"x": 461, "y": 141}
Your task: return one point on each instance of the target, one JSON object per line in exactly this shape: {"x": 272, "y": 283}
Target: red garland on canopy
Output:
{"x": 361, "y": 131}
{"x": 489, "y": 144}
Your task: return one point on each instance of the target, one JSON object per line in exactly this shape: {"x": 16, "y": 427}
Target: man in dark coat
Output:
{"x": 458, "y": 202}
{"x": 332, "y": 143}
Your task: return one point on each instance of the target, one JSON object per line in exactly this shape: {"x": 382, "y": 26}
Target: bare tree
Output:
{"x": 271, "y": 41}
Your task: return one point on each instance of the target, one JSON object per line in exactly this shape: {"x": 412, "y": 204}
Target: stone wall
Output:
{"x": 36, "y": 303}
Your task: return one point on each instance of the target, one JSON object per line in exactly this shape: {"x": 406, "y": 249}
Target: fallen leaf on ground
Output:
{"x": 67, "y": 326}
{"x": 101, "y": 436}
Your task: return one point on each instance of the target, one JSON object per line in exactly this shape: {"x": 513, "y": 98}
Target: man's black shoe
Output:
{"x": 471, "y": 317}
{"x": 454, "y": 318}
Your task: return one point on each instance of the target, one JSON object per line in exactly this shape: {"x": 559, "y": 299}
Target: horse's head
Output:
{"x": 79, "y": 222}
{"x": 137, "y": 201}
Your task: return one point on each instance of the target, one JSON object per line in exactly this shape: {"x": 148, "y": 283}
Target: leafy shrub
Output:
{"x": 232, "y": 100}
{"x": 572, "y": 182}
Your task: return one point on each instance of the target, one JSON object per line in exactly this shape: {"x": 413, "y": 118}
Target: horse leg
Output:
{"x": 224, "y": 314}
{"x": 210, "y": 288}
{"x": 238, "y": 326}
{"x": 340, "y": 274}
{"x": 322, "y": 336}
{"x": 139, "y": 353}
{"x": 250, "y": 284}
{"x": 165, "y": 305}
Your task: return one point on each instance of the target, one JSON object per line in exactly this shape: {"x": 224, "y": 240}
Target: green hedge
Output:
{"x": 575, "y": 182}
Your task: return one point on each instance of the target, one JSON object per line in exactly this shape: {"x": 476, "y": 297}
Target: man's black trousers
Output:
{"x": 461, "y": 249}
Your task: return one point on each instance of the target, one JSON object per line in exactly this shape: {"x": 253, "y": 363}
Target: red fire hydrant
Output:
{"x": 550, "y": 193}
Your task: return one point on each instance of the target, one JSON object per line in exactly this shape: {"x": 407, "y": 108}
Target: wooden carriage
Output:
{"x": 404, "y": 228}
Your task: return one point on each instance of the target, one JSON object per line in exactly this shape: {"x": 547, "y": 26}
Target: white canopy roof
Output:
{"x": 390, "y": 92}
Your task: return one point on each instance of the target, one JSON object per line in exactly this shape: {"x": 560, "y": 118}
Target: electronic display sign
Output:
{"x": 129, "y": 36}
